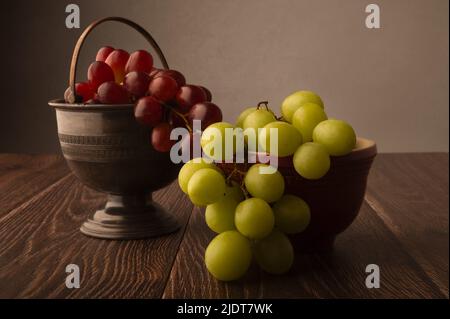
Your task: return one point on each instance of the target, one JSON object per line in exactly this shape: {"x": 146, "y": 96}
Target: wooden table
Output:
{"x": 402, "y": 227}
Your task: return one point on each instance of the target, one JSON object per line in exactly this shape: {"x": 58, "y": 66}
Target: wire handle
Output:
{"x": 73, "y": 98}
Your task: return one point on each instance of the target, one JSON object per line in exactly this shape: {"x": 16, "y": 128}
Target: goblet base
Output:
{"x": 129, "y": 217}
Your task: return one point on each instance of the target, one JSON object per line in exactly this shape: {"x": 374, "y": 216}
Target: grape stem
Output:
{"x": 266, "y": 105}
{"x": 242, "y": 184}
{"x": 244, "y": 190}
{"x": 230, "y": 176}
{"x": 186, "y": 122}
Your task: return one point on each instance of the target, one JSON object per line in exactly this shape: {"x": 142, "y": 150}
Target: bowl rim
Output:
{"x": 362, "y": 144}
{"x": 364, "y": 149}
{"x": 61, "y": 104}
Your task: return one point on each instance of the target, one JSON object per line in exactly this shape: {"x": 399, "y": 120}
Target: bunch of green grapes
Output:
{"x": 251, "y": 213}
{"x": 251, "y": 216}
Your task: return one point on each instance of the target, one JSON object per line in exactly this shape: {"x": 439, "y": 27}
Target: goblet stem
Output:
{"x": 129, "y": 217}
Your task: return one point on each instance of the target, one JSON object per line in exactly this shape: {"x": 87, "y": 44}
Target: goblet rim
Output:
{"x": 61, "y": 104}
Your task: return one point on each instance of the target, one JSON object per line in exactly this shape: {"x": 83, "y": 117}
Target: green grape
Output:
{"x": 219, "y": 216}
{"x": 297, "y": 99}
{"x": 311, "y": 160}
{"x": 235, "y": 192}
{"x": 289, "y": 138}
{"x": 274, "y": 254}
{"x": 206, "y": 186}
{"x": 189, "y": 169}
{"x": 337, "y": 136}
{"x": 258, "y": 119}
{"x": 255, "y": 120}
{"x": 243, "y": 115}
{"x": 292, "y": 214}
{"x": 228, "y": 256}
{"x": 269, "y": 187}
{"x": 254, "y": 218}
{"x": 210, "y": 145}
{"x": 306, "y": 118}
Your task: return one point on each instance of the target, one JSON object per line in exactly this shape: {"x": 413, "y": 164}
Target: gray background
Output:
{"x": 391, "y": 84}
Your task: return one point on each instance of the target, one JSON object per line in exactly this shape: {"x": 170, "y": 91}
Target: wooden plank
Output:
{"x": 23, "y": 176}
{"x": 340, "y": 274}
{"x": 42, "y": 236}
{"x": 410, "y": 194}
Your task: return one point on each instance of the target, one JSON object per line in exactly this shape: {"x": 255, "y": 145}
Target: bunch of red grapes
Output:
{"x": 162, "y": 99}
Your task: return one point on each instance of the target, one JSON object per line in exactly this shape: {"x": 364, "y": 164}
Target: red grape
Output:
{"x": 208, "y": 94}
{"x": 189, "y": 95}
{"x": 177, "y": 76}
{"x": 98, "y": 73}
{"x": 161, "y": 137}
{"x": 206, "y": 112}
{"x": 163, "y": 88}
{"x": 148, "y": 111}
{"x": 140, "y": 61}
{"x": 83, "y": 89}
{"x": 103, "y": 53}
{"x": 113, "y": 93}
{"x": 137, "y": 83}
{"x": 117, "y": 61}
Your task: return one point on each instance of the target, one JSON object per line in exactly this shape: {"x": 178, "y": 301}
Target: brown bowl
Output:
{"x": 334, "y": 200}
{"x": 109, "y": 151}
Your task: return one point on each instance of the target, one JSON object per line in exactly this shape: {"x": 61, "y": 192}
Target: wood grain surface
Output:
{"x": 402, "y": 227}
{"x": 23, "y": 175}
{"x": 42, "y": 236}
{"x": 337, "y": 275}
{"x": 410, "y": 194}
